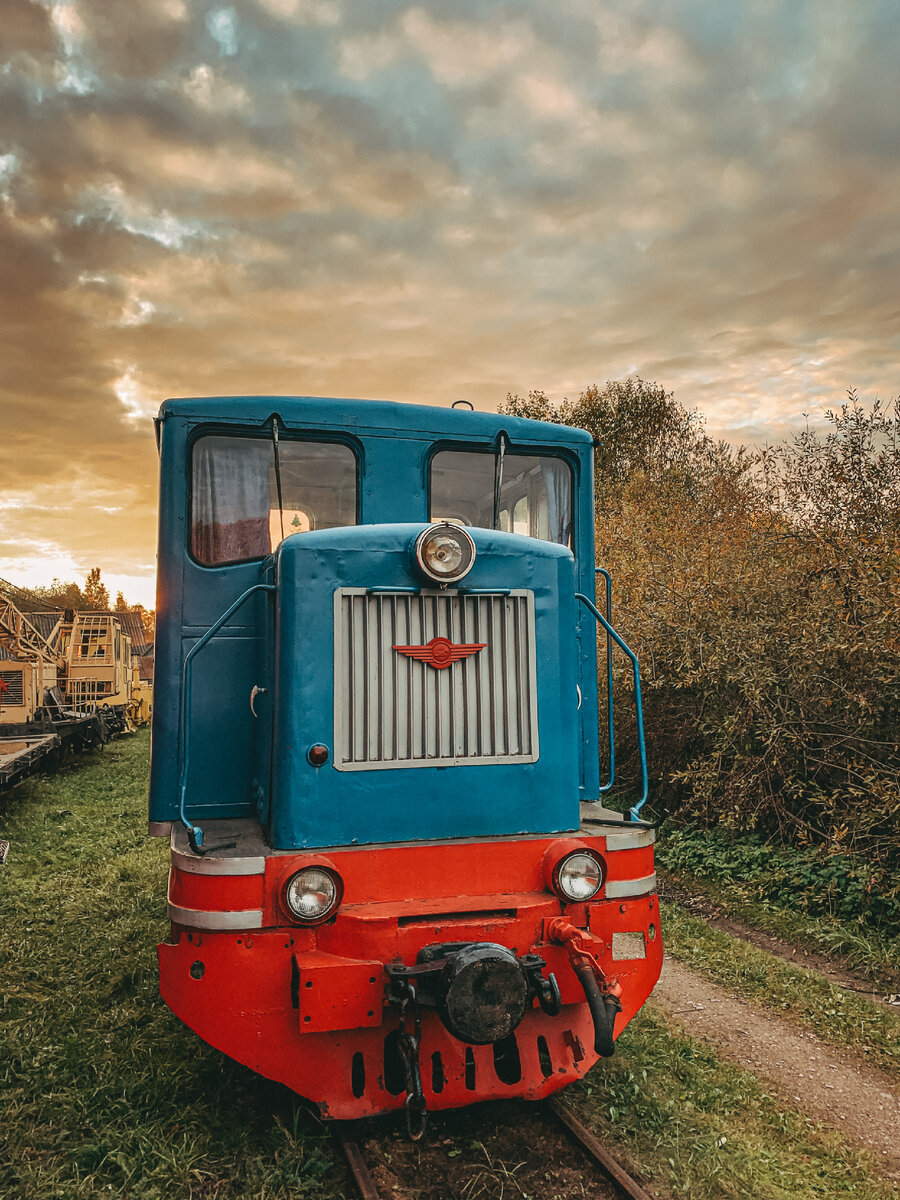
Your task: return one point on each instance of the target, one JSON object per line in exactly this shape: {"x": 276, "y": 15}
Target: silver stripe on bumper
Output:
{"x": 192, "y": 865}
{"x": 620, "y": 888}
{"x": 197, "y": 918}
{"x": 635, "y": 840}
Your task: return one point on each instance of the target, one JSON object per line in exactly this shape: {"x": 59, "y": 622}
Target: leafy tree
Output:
{"x": 637, "y": 427}
{"x": 148, "y": 620}
{"x": 761, "y": 592}
{"x": 843, "y": 486}
{"x": 57, "y": 595}
{"x": 96, "y": 594}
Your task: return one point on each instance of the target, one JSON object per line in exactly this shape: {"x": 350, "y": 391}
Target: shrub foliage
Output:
{"x": 761, "y": 592}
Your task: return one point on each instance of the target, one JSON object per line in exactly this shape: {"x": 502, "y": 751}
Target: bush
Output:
{"x": 761, "y": 592}
{"x": 809, "y": 881}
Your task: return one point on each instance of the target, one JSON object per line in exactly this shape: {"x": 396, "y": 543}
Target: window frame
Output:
{"x": 286, "y": 435}
{"x": 518, "y": 451}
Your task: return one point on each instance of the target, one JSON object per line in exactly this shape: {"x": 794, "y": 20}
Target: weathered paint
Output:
{"x": 393, "y": 444}
{"x": 457, "y": 852}
{"x": 298, "y": 1003}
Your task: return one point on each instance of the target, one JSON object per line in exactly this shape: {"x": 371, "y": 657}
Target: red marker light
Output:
{"x": 318, "y": 755}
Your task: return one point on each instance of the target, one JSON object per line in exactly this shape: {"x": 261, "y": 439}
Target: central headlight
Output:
{"x": 312, "y": 894}
{"x": 445, "y": 552}
{"x": 579, "y": 876}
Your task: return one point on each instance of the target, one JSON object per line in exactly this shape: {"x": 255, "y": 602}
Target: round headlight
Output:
{"x": 579, "y": 876}
{"x": 445, "y": 552}
{"x": 312, "y": 894}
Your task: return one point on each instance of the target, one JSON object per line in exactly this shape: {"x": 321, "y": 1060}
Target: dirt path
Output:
{"x": 829, "y": 1084}
{"x": 883, "y": 991}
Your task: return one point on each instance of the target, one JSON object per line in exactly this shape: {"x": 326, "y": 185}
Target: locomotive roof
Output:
{"x": 373, "y": 417}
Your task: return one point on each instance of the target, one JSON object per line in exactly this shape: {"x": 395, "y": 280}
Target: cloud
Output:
{"x": 426, "y": 203}
{"x": 222, "y": 24}
{"x": 138, "y": 42}
{"x": 26, "y": 30}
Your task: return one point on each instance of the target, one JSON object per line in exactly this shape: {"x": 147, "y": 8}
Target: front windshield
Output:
{"x": 535, "y": 495}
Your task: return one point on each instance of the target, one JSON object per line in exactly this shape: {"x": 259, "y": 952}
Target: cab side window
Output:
{"x": 235, "y": 509}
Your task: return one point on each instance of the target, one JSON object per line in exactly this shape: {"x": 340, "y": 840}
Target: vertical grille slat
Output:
{"x": 494, "y": 650}
{"x": 391, "y": 710}
{"x": 523, "y": 657}
{"x": 395, "y": 734}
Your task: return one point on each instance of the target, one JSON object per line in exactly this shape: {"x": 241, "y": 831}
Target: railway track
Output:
{"x": 577, "y": 1164}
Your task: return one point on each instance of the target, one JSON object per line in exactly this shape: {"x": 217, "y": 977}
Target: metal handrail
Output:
{"x": 639, "y": 709}
{"x": 610, "y": 724}
{"x": 194, "y": 832}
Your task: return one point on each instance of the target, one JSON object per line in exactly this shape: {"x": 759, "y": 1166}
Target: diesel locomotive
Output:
{"x": 376, "y": 752}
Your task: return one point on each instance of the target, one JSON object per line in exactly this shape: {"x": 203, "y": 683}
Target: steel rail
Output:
{"x": 589, "y": 1143}
{"x": 365, "y": 1184}
{"x": 612, "y": 1171}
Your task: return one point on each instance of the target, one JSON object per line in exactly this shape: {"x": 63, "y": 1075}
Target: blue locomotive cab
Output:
{"x": 376, "y": 750}
{"x": 286, "y": 500}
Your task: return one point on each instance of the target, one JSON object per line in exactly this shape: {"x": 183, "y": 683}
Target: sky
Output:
{"x": 425, "y": 202}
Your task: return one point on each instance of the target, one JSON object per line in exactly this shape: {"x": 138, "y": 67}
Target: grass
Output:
{"x": 808, "y": 999}
{"x": 707, "y": 1130}
{"x": 834, "y": 904}
{"x": 869, "y": 953}
{"x": 104, "y": 1092}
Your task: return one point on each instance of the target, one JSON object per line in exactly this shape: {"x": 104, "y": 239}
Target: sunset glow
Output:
{"x": 425, "y": 203}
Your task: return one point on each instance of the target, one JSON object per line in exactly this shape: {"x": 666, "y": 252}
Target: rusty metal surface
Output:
{"x": 629, "y": 1187}
{"x": 365, "y": 1184}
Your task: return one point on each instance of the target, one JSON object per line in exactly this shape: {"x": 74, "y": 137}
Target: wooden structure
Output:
{"x": 29, "y": 668}
{"x": 59, "y": 665}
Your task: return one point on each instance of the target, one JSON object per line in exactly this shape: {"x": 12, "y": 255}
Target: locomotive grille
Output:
{"x": 391, "y": 710}
{"x": 13, "y": 691}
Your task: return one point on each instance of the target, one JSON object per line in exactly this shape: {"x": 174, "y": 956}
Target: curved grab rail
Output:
{"x": 610, "y": 723}
{"x": 194, "y": 832}
{"x": 639, "y": 709}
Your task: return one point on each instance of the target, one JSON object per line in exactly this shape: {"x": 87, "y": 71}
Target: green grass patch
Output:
{"x": 849, "y": 894}
{"x": 867, "y": 953}
{"x": 808, "y": 999}
{"x": 707, "y": 1130}
{"x": 104, "y": 1092}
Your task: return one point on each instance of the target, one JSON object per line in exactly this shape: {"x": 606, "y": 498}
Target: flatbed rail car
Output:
{"x": 376, "y": 753}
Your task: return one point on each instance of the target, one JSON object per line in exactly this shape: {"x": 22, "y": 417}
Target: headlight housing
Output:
{"x": 312, "y": 894}
{"x": 444, "y": 552}
{"x": 579, "y": 876}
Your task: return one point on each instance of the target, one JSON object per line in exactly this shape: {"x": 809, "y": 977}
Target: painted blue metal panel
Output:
{"x": 394, "y": 444}
{"x": 321, "y": 806}
{"x": 360, "y": 418}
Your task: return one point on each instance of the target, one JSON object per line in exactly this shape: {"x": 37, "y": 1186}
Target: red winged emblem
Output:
{"x": 441, "y": 652}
